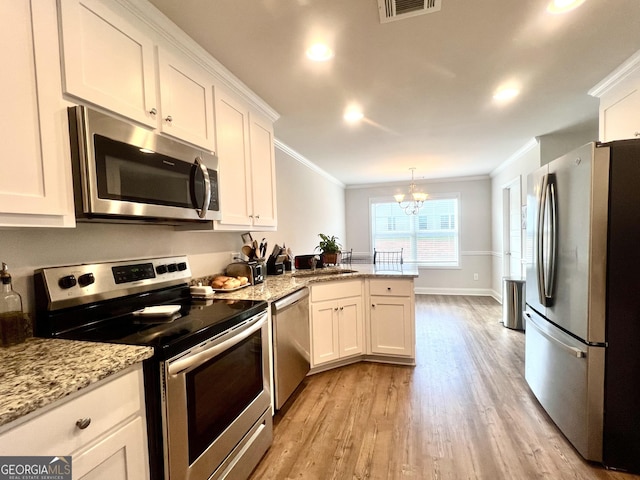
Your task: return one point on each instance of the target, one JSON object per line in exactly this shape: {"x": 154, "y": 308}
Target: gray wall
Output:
{"x": 475, "y": 232}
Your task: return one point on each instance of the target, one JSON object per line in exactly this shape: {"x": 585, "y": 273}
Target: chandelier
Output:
{"x": 416, "y": 199}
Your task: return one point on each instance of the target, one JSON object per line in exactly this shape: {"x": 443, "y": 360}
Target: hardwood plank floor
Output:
{"x": 463, "y": 412}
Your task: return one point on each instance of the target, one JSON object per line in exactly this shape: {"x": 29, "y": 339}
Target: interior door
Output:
{"x": 512, "y": 238}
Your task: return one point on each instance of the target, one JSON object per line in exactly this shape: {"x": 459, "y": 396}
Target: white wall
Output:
{"x": 515, "y": 169}
{"x": 475, "y": 233}
{"x": 308, "y": 203}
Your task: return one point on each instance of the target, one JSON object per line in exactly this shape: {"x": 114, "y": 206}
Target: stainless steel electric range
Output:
{"x": 207, "y": 386}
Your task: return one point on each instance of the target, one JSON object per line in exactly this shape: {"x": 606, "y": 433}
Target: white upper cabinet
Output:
{"x": 232, "y": 133}
{"x": 263, "y": 170}
{"x": 109, "y": 61}
{"x": 35, "y": 184}
{"x": 619, "y": 95}
{"x": 247, "y": 165}
{"x": 186, "y": 100}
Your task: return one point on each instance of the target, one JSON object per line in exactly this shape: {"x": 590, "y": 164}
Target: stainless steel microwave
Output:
{"x": 123, "y": 172}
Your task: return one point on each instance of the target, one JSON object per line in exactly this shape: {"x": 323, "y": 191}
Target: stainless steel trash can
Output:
{"x": 513, "y": 303}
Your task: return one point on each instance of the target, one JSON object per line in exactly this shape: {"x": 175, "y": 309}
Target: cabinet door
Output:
{"x": 350, "y": 327}
{"x": 392, "y": 326}
{"x": 186, "y": 100}
{"x": 620, "y": 119}
{"x": 325, "y": 344}
{"x": 35, "y": 184}
{"x": 120, "y": 456}
{"x": 263, "y": 172}
{"x": 232, "y": 130}
{"x": 108, "y": 61}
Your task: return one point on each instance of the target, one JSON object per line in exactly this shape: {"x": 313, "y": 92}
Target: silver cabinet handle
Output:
{"x": 169, "y": 119}
{"x": 153, "y": 112}
{"x": 83, "y": 423}
{"x": 257, "y": 216}
{"x": 335, "y": 309}
{"x": 341, "y": 308}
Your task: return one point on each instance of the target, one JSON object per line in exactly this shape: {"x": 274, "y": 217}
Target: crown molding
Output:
{"x": 306, "y": 162}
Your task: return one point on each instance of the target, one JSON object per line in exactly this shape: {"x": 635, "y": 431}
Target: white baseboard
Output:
{"x": 478, "y": 292}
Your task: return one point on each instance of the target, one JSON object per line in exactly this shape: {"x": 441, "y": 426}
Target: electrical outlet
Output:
{"x": 234, "y": 256}
{"x": 475, "y": 276}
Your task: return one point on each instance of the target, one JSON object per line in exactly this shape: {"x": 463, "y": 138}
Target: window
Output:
{"x": 429, "y": 238}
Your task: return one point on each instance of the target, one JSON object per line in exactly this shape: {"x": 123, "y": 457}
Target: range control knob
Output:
{"x": 172, "y": 267}
{"x": 160, "y": 269}
{"x": 67, "y": 281}
{"x": 86, "y": 279}
{"x": 182, "y": 266}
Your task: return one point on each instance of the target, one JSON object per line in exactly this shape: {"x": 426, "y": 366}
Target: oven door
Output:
{"x": 216, "y": 407}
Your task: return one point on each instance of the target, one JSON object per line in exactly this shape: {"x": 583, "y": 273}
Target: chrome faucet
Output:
{"x": 314, "y": 261}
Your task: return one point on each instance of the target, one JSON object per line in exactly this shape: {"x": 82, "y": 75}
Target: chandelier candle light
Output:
{"x": 417, "y": 198}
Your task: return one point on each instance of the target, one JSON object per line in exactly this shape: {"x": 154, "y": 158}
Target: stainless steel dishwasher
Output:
{"x": 291, "y": 343}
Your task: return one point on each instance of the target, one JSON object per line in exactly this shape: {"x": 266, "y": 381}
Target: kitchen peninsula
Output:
{"x": 357, "y": 312}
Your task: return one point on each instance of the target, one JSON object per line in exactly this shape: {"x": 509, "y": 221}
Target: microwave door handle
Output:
{"x": 542, "y": 201}
{"x": 202, "y": 213}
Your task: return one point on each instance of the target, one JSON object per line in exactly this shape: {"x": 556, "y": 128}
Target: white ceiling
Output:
{"x": 425, "y": 83}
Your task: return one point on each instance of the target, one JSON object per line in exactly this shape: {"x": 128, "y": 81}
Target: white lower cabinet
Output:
{"x": 103, "y": 428}
{"x": 337, "y": 321}
{"x": 344, "y": 329}
{"x": 392, "y": 317}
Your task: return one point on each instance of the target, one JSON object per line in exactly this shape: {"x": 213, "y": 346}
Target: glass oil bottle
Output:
{"x": 12, "y": 325}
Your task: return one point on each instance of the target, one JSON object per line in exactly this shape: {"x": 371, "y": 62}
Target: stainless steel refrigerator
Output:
{"x": 582, "y": 347}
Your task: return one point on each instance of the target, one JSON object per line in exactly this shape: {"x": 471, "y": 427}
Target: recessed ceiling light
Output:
{"x": 353, "y": 115}
{"x": 319, "y": 52}
{"x": 562, "y": 6}
{"x": 504, "y": 94}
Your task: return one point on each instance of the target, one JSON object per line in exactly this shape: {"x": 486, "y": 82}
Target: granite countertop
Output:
{"x": 42, "y": 370}
{"x": 278, "y": 286}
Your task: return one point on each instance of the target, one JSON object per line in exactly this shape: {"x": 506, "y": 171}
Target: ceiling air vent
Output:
{"x": 391, "y": 10}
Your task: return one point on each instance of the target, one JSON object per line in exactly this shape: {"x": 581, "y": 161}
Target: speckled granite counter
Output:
{"x": 43, "y": 370}
{"x": 278, "y": 286}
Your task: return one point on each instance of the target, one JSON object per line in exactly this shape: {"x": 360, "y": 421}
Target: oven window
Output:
{"x": 218, "y": 391}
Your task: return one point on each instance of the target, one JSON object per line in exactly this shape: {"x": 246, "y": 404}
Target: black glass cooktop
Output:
{"x": 114, "y": 322}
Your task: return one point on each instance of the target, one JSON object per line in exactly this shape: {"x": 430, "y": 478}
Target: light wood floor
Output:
{"x": 463, "y": 412}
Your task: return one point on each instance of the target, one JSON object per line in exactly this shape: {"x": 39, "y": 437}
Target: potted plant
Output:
{"x": 329, "y": 248}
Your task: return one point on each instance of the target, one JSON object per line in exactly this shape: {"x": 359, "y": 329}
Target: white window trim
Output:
{"x": 432, "y": 196}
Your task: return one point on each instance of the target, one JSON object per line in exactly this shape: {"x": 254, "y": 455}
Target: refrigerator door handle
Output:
{"x": 542, "y": 203}
{"x": 552, "y": 241}
{"x": 547, "y": 243}
{"x": 576, "y": 352}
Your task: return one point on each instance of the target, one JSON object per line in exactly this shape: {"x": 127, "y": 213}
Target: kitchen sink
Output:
{"x": 322, "y": 272}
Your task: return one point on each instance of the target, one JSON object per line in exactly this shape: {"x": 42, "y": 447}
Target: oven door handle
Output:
{"x": 198, "y": 357}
